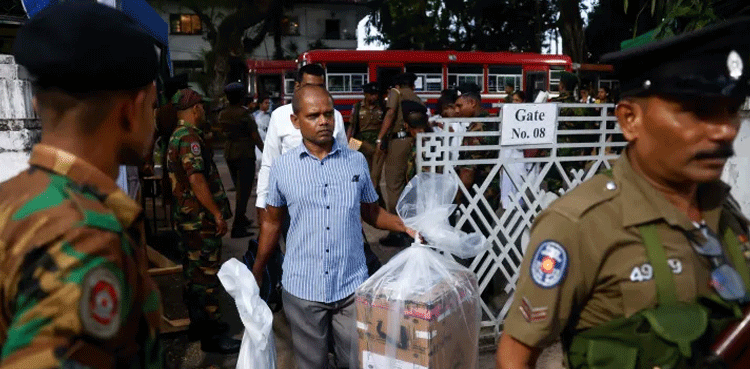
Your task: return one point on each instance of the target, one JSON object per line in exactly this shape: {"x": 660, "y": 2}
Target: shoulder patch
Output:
{"x": 549, "y": 264}
{"x": 195, "y": 148}
{"x": 101, "y": 303}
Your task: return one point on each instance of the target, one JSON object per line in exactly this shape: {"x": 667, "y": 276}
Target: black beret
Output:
{"x": 710, "y": 62}
{"x": 83, "y": 47}
{"x": 409, "y": 106}
{"x": 371, "y": 88}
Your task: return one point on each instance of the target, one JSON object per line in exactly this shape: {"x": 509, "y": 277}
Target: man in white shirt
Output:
{"x": 282, "y": 136}
{"x": 262, "y": 118}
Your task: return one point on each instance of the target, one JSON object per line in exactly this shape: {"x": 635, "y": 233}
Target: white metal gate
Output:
{"x": 529, "y": 177}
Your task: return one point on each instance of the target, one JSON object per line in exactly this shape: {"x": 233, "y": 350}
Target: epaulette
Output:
{"x": 586, "y": 196}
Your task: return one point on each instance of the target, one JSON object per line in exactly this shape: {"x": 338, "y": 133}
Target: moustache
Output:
{"x": 723, "y": 152}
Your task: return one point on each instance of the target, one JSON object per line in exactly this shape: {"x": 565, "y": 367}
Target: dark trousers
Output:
{"x": 200, "y": 263}
{"x": 243, "y": 176}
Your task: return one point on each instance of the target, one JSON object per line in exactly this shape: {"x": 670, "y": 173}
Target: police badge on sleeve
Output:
{"x": 549, "y": 264}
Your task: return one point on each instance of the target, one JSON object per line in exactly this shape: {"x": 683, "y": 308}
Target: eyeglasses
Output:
{"x": 724, "y": 278}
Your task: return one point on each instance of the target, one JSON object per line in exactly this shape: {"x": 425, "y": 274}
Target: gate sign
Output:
{"x": 528, "y": 124}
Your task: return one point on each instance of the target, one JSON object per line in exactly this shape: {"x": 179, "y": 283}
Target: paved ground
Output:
{"x": 187, "y": 355}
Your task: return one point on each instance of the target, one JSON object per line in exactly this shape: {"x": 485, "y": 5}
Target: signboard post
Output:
{"x": 528, "y": 124}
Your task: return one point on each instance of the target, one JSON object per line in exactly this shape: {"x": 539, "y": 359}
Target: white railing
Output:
{"x": 528, "y": 177}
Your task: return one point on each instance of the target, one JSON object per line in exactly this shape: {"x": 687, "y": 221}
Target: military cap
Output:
{"x": 407, "y": 78}
{"x": 709, "y": 62}
{"x": 234, "y": 87}
{"x": 187, "y": 98}
{"x": 371, "y": 88}
{"x": 83, "y": 47}
{"x": 409, "y": 106}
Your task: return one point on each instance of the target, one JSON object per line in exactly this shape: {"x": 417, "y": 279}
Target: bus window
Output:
{"x": 429, "y": 77}
{"x": 554, "y": 78}
{"x": 460, "y": 74}
{"x": 346, "y": 77}
{"x": 289, "y": 80}
{"x": 501, "y": 75}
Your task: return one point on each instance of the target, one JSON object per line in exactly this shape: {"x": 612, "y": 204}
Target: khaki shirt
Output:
{"x": 586, "y": 263}
{"x": 395, "y": 96}
{"x": 238, "y": 124}
{"x": 370, "y": 118}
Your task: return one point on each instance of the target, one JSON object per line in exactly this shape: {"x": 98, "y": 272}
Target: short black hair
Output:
{"x": 473, "y": 95}
{"x": 311, "y": 69}
{"x": 235, "y": 96}
{"x": 297, "y": 99}
{"x": 520, "y": 94}
{"x": 416, "y": 119}
{"x": 443, "y": 101}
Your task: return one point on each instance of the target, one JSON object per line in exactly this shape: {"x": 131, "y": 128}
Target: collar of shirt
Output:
{"x": 303, "y": 151}
{"x": 642, "y": 203}
{"x": 182, "y": 123}
{"x": 79, "y": 171}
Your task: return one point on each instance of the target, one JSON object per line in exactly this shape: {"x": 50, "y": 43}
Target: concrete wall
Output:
{"x": 19, "y": 126}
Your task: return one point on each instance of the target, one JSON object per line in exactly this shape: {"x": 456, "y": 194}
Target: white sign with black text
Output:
{"x": 528, "y": 124}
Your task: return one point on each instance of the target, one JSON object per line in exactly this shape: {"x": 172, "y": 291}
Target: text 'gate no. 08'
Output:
{"x": 528, "y": 124}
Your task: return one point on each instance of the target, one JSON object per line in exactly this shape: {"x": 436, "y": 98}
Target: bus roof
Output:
{"x": 424, "y": 57}
{"x": 271, "y": 66}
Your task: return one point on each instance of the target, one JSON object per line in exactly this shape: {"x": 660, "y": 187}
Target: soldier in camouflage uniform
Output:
{"x": 200, "y": 211}
{"x": 74, "y": 286}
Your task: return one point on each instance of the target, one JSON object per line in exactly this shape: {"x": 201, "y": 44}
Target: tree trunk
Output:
{"x": 571, "y": 29}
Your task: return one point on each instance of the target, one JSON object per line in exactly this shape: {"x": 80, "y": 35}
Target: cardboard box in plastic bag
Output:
{"x": 436, "y": 329}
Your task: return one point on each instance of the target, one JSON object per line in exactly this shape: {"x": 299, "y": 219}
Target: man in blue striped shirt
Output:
{"x": 325, "y": 188}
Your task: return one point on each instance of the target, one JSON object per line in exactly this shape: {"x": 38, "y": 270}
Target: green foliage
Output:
{"x": 686, "y": 16}
{"x": 487, "y": 25}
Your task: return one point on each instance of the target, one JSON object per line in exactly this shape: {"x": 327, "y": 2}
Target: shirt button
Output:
{"x": 325, "y": 185}
{"x": 326, "y": 272}
{"x": 328, "y": 228}
{"x": 327, "y": 250}
{"x": 328, "y": 207}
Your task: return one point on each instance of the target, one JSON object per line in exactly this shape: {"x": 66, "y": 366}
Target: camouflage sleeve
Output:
{"x": 191, "y": 154}
{"x": 473, "y": 141}
{"x": 66, "y": 300}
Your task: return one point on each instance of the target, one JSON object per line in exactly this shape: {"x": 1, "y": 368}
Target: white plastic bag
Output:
{"x": 421, "y": 310}
{"x": 258, "y": 350}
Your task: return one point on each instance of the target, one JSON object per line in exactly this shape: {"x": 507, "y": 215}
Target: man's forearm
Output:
{"x": 200, "y": 187}
{"x": 381, "y": 219}
{"x": 268, "y": 240}
{"x": 513, "y": 354}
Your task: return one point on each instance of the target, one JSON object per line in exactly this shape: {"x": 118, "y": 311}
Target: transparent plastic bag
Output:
{"x": 421, "y": 310}
{"x": 258, "y": 350}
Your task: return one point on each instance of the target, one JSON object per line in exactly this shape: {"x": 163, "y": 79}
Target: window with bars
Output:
{"x": 429, "y": 77}
{"x": 346, "y": 77}
{"x": 554, "y": 78}
{"x": 458, "y": 75}
{"x": 185, "y": 24}
{"x": 500, "y": 76}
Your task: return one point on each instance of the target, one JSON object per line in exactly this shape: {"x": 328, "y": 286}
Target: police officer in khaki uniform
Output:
{"x": 643, "y": 266}
{"x": 394, "y": 142}
{"x": 74, "y": 285}
{"x": 239, "y": 151}
{"x": 364, "y": 125}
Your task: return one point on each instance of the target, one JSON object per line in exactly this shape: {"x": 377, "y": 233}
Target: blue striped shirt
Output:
{"x": 324, "y": 259}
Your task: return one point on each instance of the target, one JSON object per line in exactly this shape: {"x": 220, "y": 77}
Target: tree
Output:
{"x": 243, "y": 29}
{"x": 487, "y": 25}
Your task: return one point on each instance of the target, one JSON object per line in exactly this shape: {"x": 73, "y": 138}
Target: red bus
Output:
{"x": 348, "y": 70}
{"x": 271, "y": 76}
